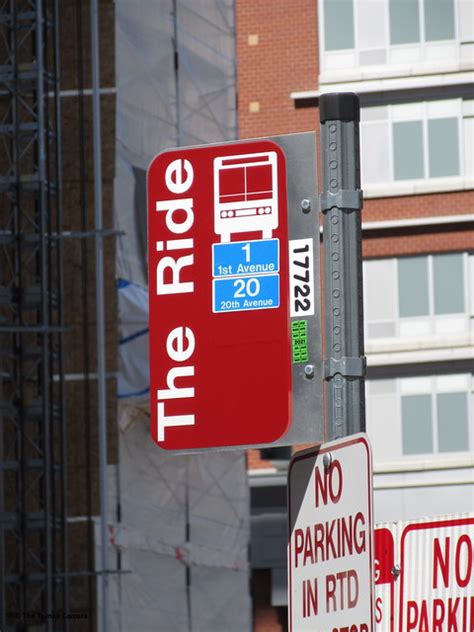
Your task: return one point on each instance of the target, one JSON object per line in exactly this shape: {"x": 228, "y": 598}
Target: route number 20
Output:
{"x": 246, "y": 287}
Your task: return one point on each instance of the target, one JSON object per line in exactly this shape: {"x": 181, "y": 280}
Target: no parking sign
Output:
{"x": 330, "y": 548}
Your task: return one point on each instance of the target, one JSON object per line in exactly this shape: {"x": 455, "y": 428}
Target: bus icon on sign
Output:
{"x": 245, "y": 194}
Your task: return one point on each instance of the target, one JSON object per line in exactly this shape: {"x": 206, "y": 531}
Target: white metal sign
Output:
{"x": 330, "y": 546}
{"x": 302, "y": 297}
{"x": 437, "y": 579}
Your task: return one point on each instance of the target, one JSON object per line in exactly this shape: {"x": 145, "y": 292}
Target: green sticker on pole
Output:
{"x": 299, "y": 341}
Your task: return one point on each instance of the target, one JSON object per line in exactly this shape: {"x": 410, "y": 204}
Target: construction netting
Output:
{"x": 181, "y": 537}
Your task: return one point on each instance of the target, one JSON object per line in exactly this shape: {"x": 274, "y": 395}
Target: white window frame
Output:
{"x": 431, "y": 320}
{"x": 433, "y": 386}
{"x": 381, "y": 70}
{"x": 434, "y": 389}
{"x": 453, "y": 108}
{"x": 431, "y": 315}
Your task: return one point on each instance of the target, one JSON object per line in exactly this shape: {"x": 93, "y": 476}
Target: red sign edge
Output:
{"x": 177, "y": 151}
{"x": 392, "y": 583}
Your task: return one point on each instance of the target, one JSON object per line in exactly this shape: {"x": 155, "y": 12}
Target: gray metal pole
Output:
{"x": 341, "y": 204}
{"x": 45, "y": 289}
{"x": 100, "y": 308}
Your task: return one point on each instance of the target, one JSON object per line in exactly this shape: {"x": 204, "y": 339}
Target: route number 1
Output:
{"x": 246, "y": 248}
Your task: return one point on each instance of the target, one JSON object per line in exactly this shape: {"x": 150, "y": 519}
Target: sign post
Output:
{"x": 341, "y": 203}
{"x": 330, "y": 549}
{"x": 330, "y": 545}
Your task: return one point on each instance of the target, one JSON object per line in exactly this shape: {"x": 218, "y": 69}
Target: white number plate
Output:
{"x": 301, "y": 277}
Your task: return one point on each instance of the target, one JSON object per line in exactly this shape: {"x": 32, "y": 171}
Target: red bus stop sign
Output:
{"x": 219, "y": 310}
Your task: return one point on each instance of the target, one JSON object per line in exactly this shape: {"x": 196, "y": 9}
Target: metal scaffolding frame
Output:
{"x": 34, "y": 578}
{"x": 53, "y": 557}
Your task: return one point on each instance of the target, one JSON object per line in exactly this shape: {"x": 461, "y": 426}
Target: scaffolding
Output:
{"x": 57, "y": 385}
{"x": 33, "y": 476}
{"x": 184, "y": 548}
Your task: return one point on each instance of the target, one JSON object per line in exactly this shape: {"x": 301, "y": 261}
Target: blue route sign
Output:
{"x": 246, "y": 292}
{"x": 260, "y": 256}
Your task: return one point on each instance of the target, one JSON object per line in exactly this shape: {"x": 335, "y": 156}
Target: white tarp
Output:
{"x": 182, "y": 539}
{"x": 184, "y": 527}
{"x": 175, "y": 66}
{"x": 132, "y": 379}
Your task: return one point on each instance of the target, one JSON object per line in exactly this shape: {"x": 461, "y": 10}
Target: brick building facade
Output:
{"x": 413, "y": 73}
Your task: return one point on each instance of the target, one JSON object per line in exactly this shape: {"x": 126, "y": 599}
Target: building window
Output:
{"x": 417, "y": 432}
{"x": 452, "y": 422}
{"x": 405, "y": 24}
{"x": 408, "y": 162}
{"x": 413, "y": 299}
{"x": 339, "y": 24}
{"x": 404, "y": 21}
{"x": 340, "y": 28}
{"x": 431, "y": 286}
{"x": 435, "y": 421}
{"x": 384, "y": 32}
{"x": 420, "y": 296}
{"x": 448, "y": 294}
{"x": 443, "y": 147}
{"x": 414, "y": 141}
{"x": 439, "y": 20}
{"x": 420, "y": 416}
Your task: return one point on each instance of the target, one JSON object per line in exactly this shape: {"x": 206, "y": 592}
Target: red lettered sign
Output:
{"x": 437, "y": 578}
{"x": 384, "y": 547}
{"x": 330, "y": 549}
{"x": 220, "y": 364}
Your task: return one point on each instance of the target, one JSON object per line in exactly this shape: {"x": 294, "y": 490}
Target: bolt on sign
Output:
{"x": 330, "y": 548}
{"x": 225, "y": 331}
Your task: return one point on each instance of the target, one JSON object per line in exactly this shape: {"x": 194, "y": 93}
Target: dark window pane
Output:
{"x": 453, "y": 435}
{"x": 443, "y": 142}
{"x": 439, "y": 20}
{"x": 413, "y": 287}
{"x": 448, "y": 284}
{"x": 417, "y": 430}
{"x": 408, "y": 150}
{"x": 338, "y": 24}
{"x": 404, "y": 21}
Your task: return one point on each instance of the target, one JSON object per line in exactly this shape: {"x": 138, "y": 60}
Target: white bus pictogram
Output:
{"x": 245, "y": 194}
